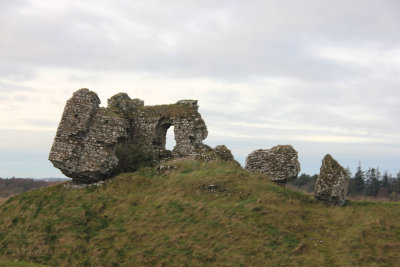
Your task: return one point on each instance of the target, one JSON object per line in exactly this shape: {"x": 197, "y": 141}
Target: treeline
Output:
{"x": 369, "y": 183}
{"x": 305, "y": 182}
{"x": 14, "y": 186}
{"x": 373, "y": 183}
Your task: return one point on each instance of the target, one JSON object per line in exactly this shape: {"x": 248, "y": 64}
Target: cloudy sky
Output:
{"x": 321, "y": 75}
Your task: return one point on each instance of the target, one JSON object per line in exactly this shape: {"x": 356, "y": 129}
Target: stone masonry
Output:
{"x": 93, "y": 143}
{"x": 280, "y": 163}
{"x": 332, "y": 183}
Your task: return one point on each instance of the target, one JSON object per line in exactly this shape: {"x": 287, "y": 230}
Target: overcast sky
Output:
{"x": 321, "y": 75}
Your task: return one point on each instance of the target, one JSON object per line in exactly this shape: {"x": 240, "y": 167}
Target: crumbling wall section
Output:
{"x": 83, "y": 146}
{"x": 151, "y": 123}
{"x": 94, "y": 143}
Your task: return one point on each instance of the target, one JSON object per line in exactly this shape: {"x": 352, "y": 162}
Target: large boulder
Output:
{"x": 332, "y": 183}
{"x": 280, "y": 163}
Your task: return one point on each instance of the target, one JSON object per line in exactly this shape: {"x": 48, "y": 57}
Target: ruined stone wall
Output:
{"x": 93, "y": 143}
{"x": 83, "y": 146}
{"x": 151, "y": 123}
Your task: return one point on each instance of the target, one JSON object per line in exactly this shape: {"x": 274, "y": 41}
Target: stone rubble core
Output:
{"x": 332, "y": 184}
{"x": 94, "y": 143}
{"x": 280, "y": 163}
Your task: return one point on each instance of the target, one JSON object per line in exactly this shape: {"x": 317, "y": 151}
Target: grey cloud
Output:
{"x": 42, "y": 123}
{"x": 6, "y": 87}
{"x": 21, "y": 98}
{"x": 83, "y": 77}
{"x": 14, "y": 71}
{"x": 228, "y": 39}
{"x": 230, "y": 42}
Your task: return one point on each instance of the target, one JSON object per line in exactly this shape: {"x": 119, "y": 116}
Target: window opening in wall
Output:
{"x": 170, "y": 142}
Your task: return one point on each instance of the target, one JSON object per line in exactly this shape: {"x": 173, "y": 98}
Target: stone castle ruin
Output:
{"x": 94, "y": 143}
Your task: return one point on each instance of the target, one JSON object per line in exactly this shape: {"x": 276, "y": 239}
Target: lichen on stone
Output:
{"x": 332, "y": 184}
{"x": 279, "y": 164}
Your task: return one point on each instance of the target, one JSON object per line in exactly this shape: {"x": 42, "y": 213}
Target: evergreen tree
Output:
{"x": 302, "y": 179}
{"x": 357, "y": 187}
{"x": 386, "y": 181}
{"x": 396, "y": 184}
{"x": 348, "y": 171}
{"x": 372, "y": 182}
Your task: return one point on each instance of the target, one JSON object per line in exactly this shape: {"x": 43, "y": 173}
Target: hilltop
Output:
{"x": 194, "y": 213}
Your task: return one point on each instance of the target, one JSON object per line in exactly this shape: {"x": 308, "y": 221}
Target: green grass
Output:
{"x": 171, "y": 110}
{"x": 19, "y": 264}
{"x": 199, "y": 214}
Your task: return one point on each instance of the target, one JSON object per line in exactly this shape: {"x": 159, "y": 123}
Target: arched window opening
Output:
{"x": 170, "y": 142}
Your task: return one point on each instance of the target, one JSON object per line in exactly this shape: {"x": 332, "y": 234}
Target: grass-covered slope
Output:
{"x": 197, "y": 214}
{"x": 19, "y": 264}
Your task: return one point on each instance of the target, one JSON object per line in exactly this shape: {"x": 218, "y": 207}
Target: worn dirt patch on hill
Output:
{"x": 2, "y": 200}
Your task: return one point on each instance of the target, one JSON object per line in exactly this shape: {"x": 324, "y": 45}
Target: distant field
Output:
{"x": 15, "y": 186}
{"x": 196, "y": 214}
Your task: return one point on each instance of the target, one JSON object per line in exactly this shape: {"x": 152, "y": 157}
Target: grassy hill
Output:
{"x": 19, "y": 264}
{"x": 198, "y": 214}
